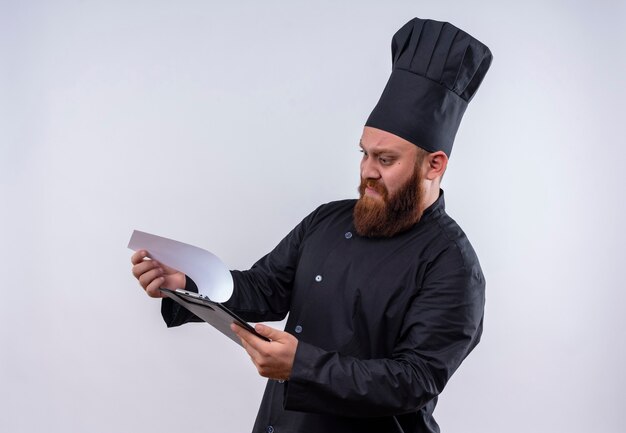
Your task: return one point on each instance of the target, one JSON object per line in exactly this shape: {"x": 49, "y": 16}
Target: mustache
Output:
{"x": 374, "y": 184}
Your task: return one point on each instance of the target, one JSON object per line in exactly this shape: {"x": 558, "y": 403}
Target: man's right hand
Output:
{"x": 153, "y": 275}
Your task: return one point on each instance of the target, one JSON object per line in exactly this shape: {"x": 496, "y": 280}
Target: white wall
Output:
{"x": 223, "y": 124}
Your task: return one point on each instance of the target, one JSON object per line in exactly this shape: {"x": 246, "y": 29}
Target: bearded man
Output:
{"x": 385, "y": 294}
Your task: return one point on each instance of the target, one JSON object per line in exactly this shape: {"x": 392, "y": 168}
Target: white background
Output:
{"x": 223, "y": 124}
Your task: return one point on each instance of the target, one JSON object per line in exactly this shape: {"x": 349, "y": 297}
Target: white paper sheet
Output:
{"x": 206, "y": 269}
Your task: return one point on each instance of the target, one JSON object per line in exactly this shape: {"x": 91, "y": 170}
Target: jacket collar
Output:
{"x": 434, "y": 209}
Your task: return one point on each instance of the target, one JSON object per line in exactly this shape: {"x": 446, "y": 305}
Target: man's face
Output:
{"x": 390, "y": 192}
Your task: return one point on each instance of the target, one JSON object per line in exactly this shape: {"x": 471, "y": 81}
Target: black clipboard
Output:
{"x": 214, "y": 313}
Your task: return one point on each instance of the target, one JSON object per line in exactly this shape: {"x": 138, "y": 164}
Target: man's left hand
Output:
{"x": 273, "y": 359}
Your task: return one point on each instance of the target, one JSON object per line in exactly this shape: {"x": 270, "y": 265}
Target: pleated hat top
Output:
{"x": 436, "y": 70}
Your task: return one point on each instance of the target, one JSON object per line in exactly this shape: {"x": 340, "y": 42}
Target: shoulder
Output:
{"x": 325, "y": 216}
{"x": 331, "y": 210}
{"x": 335, "y": 207}
{"x": 450, "y": 263}
{"x": 452, "y": 242}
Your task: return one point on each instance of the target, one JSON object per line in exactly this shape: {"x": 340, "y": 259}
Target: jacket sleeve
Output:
{"x": 263, "y": 293}
{"x": 440, "y": 327}
{"x": 175, "y": 314}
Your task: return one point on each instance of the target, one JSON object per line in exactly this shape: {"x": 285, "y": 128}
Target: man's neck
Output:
{"x": 431, "y": 194}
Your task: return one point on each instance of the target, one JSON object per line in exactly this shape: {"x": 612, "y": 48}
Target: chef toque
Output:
{"x": 436, "y": 70}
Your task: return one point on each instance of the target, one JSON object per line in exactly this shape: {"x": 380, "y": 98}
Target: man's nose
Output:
{"x": 369, "y": 170}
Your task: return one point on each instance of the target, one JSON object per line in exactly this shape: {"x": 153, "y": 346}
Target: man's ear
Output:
{"x": 436, "y": 164}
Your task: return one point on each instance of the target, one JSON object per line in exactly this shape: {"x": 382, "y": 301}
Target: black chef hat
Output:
{"x": 436, "y": 70}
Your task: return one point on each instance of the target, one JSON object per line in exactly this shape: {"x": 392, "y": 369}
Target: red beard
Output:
{"x": 389, "y": 215}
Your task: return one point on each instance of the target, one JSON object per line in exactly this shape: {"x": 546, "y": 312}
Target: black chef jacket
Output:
{"x": 381, "y": 323}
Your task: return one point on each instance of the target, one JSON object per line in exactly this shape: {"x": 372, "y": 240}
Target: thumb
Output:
{"x": 269, "y": 332}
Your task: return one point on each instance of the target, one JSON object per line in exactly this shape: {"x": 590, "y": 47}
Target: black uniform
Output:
{"x": 382, "y": 323}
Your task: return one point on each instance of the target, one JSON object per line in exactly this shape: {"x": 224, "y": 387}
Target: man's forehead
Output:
{"x": 374, "y": 139}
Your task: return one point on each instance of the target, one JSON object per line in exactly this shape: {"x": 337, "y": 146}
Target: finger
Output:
{"x": 153, "y": 288}
{"x": 138, "y": 257}
{"x": 241, "y": 332}
{"x": 147, "y": 277}
{"x": 252, "y": 352}
{"x": 249, "y": 340}
{"x": 143, "y": 267}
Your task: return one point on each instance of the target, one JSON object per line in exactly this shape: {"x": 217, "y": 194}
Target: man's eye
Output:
{"x": 384, "y": 161}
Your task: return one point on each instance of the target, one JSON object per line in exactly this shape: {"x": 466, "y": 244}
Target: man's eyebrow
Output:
{"x": 391, "y": 152}
{"x": 384, "y": 151}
